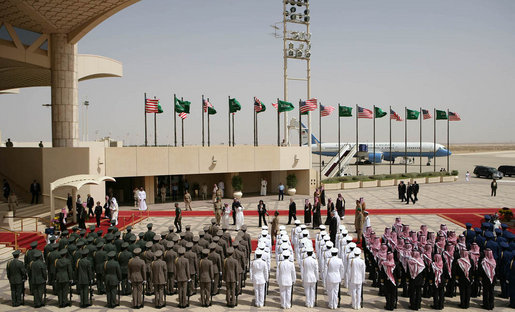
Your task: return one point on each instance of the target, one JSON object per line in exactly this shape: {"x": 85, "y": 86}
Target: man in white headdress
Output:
{"x": 286, "y": 279}
{"x": 309, "y": 275}
{"x": 333, "y": 277}
{"x": 114, "y": 210}
{"x": 259, "y": 276}
{"x": 142, "y": 199}
{"x": 263, "y": 187}
{"x": 356, "y": 278}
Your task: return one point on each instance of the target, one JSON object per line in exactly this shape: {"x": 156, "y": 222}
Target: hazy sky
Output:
{"x": 446, "y": 54}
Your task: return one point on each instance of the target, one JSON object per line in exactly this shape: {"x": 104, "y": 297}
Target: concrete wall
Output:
{"x": 21, "y": 166}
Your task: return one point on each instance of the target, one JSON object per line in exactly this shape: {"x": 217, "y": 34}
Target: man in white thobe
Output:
{"x": 221, "y": 186}
{"x": 259, "y": 277}
{"x": 309, "y": 275}
{"x": 333, "y": 277}
{"x": 263, "y": 187}
{"x": 142, "y": 198}
{"x": 114, "y": 210}
{"x": 286, "y": 278}
{"x": 356, "y": 278}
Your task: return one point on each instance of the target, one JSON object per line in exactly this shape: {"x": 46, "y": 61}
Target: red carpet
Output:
{"x": 461, "y": 219}
{"x": 24, "y": 240}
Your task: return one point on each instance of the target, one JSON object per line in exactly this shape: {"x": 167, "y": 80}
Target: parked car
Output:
{"x": 487, "y": 172}
{"x": 507, "y": 171}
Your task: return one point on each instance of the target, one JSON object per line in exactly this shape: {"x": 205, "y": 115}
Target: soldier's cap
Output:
{"x": 110, "y": 229}
{"x": 213, "y": 221}
{"x": 55, "y": 246}
{"x": 219, "y": 232}
{"x": 149, "y": 226}
{"x": 205, "y": 252}
{"x": 79, "y": 244}
{"x": 125, "y": 245}
{"x": 357, "y": 251}
{"x": 264, "y": 232}
{"x": 297, "y": 222}
{"x": 16, "y": 253}
{"x": 264, "y": 227}
{"x": 509, "y": 235}
{"x": 259, "y": 252}
{"x": 323, "y": 233}
{"x": 148, "y": 244}
{"x": 224, "y": 228}
{"x": 196, "y": 239}
{"x": 468, "y": 224}
{"x": 163, "y": 235}
{"x": 158, "y": 253}
{"x": 92, "y": 228}
{"x": 477, "y": 230}
{"x": 156, "y": 237}
{"x": 261, "y": 245}
{"x": 182, "y": 235}
{"x": 230, "y": 251}
{"x": 34, "y": 244}
{"x": 52, "y": 238}
{"x": 189, "y": 245}
{"x": 334, "y": 250}
{"x": 141, "y": 234}
{"x": 286, "y": 253}
{"x": 504, "y": 226}
{"x": 129, "y": 228}
{"x": 244, "y": 228}
{"x": 170, "y": 228}
{"x": 132, "y": 238}
{"x": 322, "y": 227}
{"x": 303, "y": 226}
{"x": 90, "y": 239}
{"x": 282, "y": 228}
{"x": 327, "y": 238}
{"x": 216, "y": 239}
{"x": 100, "y": 245}
{"x": 349, "y": 238}
{"x": 329, "y": 245}
{"x": 100, "y": 232}
{"x": 175, "y": 239}
{"x": 84, "y": 251}
{"x": 212, "y": 246}
{"x": 206, "y": 228}
{"x": 352, "y": 245}
{"x": 504, "y": 245}
{"x": 487, "y": 217}
{"x": 136, "y": 251}
{"x": 284, "y": 246}
{"x": 109, "y": 236}
{"x": 75, "y": 228}
{"x": 65, "y": 232}
{"x": 181, "y": 251}
{"x": 169, "y": 245}
{"x": 188, "y": 227}
{"x": 236, "y": 244}
{"x": 489, "y": 234}
{"x": 117, "y": 234}
{"x": 305, "y": 232}
{"x": 345, "y": 232}
{"x": 113, "y": 221}
{"x": 72, "y": 247}
{"x": 36, "y": 253}
{"x": 201, "y": 233}
{"x": 309, "y": 248}
{"x": 63, "y": 252}
{"x": 284, "y": 238}
{"x": 111, "y": 254}
{"x": 498, "y": 231}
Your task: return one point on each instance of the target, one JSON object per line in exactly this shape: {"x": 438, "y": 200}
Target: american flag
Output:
{"x": 326, "y": 110}
{"x": 308, "y": 106}
{"x": 454, "y": 116}
{"x": 151, "y": 105}
{"x": 258, "y": 106}
{"x": 426, "y": 114}
{"x": 183, "y": 115}
{"x": 365, "y": 113}
{"x": 206, "y": 105}
{"x": 394, "y": 115}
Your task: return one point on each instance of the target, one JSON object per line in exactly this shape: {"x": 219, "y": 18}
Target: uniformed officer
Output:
{"x": 84, "y": 278}
{"x": 159, "y": 277}
{"x": 53, "y": 255}
{"x": 241, "y": 258}
{"x": 149, "y": 235}
{"x": 216, "y": 260}
{"x": 286, "y": 279}
{"x": 127, "y": 236}
{"x": 259, "y": 274}
{"x": 113, "y": 275}
{"x": 309, "y": 275}
{"x": 182, "y": 276}
{"x": 17, "y": 276}
{"x": 99, "y": 258}
{"x": 148, "y": 257}
{"x": 137, "y": 277}
{"x": 123, "y": 258}
{"x": 206, "y": 278}
{"x": 64, "y": 278}
{"x": 192, "y": 258}
{"x": 356, "y": 278}
{"x": 170, "y": 234}
{"x": 333, "y": 277}
{"x": 169, "y": 257}
{"x": 230, "y": 276}
{"x": 38, "y": 278}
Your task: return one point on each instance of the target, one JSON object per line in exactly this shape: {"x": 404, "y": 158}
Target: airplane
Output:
{"x": 382, "y": 149}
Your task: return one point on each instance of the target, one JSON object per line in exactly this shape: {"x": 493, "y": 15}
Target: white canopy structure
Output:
{"x": 74, "y": 182}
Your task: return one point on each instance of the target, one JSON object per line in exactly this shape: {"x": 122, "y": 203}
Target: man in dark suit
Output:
{"x": 409, "y": 193}
{"x": 292, "y": 211}
{"x": 35, "y": 189}
{"x": 261, "y": 212}
{"x": 415, "y": 190}
{"x": 90, "y": 202}
{"x": 235, "y": 204}
{"x": 402, "y": 191}
{"x": 333, "y": 227}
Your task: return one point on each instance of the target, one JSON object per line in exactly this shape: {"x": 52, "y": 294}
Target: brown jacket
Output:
{"x": 206, "y": 273}
{"x": 169, "y": 257}
{"x": 230, "y": 274}
{"x": 159, "y": 272}
{"x": 192, "y": 258}
{"x": 182, "y": 269}
{"x": 137, "y": 270}
{"x": 240, "y": 257}
{"x": 216, "y": 260}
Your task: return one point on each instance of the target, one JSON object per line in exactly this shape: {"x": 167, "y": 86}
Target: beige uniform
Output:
{"x": 159, "y": 278}
{"x": 206, "y": 277}
{"x": 137, "y": 274}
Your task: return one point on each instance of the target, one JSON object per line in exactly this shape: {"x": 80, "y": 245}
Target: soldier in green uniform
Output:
{"x": 92, "y": 232}
{"x": 148, "y": 257}
{"x": 17, "y": 276}
{"x": 127, "y": 236}
{"x": 216, "y": 260}
{"x": 84, "y": 278}
{"x": 53, "y": 255}
{"x": 38, "y": 278}
{"x": 63, "y": 241}
{"x": 182, "y": 276}
{"x": 64, "y": 278}
{"x": 141, "y": 242}
{"x": 192, "y": 258}
{"x": 118, "y": 241}
{"x": 48, "y": 247}
{"x": 29, "y": 257}
{"x": 149, "y": 235}
{"x": 100, "y": 238}
{"x": 109, "y": 246}
{"x": 132, "y": 244}
{"x": 170, "y": 234}
{"x": 123, "y": 259}
{"x": 206, "y": 278}
{"x": 100, "y": 257}
{"x": 230, "y": 276}
{"x": 159, "y": 274}
{"x": 113, "y": 275}
{"x": 169, "y": 257}
{"x": 240, "y": 257}
{"x": 137, "y": 278}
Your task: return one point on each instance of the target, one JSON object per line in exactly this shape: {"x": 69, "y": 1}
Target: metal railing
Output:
{"x": 16, "y": 234}
{"x": 37, "y": 219}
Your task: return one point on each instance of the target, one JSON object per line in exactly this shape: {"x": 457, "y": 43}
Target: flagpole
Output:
{"x": 374, "y": 137}
{"x": 155, "y": 129}
{"x": 420, "y": 141}
{"x": 300, "y": 125}
{"x": 174, "y": 120}
{"x": 254, "y": 119}
{"x": 278, "y": 124}
{"x": 320, "y": 143}
{"x": 202, "y": 119}
{"x": 208, "y": 127}
{"x": 434, "y": 140}
{"x": 145, "y": 112}
{"x": 391, "y": 140}
{"x": 257, "y": 129}
{"x": 339, "y": 148}
{"x": 229, "y": 102}
{"x": 182, "y": 126}
{"x": 232, "y": 129}
{"x": 405, "y": 139}
{"x": 357, "y": 142}
{"x": 448, "y": 148}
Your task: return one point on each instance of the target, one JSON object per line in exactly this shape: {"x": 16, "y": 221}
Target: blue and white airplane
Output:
{"x": 382, "y": 149}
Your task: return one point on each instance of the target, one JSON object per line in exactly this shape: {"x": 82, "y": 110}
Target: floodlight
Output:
{"x": 307, "y": 53}
{"x": 292, "y": 2}
{"x": 293, "y": 17}
{"x": 306, "y": 19}
{"x": 293, "y": 9}
{"x": 306, "y": 11}
{"x": 286, "y": 13}
{"x": 290, "y": 45}
{"x": 299, "y": 3}
{"x": 291, "y": 52}
{"x": 299, "y": 53}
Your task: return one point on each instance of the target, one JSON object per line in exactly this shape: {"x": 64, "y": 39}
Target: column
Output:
{"x": 65, "y": 121}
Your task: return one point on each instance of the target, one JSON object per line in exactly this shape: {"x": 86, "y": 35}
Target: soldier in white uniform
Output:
{"x": 309, "y": 275}
{"x": 259, "y": 276}
{"x": 294, "y": 231}
{"x": 266, "y": 238}
{"x": 326, "y": 255}
{"x": 348, "y": 254}
{"x": 286, "y": 278}
{"x": 333, "y": 277}
{"x": 265, "y": 254}
{"x": 319, "y": 238}
{"x": 356, "y": 278}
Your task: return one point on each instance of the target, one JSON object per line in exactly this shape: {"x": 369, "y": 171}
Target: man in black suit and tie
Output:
{"x": 90, "y": 202}
{"x": 35, "y": 189}
{"x": 262, "y": 212}
{"x": 235, "y": 204}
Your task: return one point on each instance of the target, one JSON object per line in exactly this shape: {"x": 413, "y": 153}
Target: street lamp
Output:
{"x": 85, "y": 133}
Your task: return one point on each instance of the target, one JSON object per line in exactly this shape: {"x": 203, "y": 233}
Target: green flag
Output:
{"x": 234, "y": 106}
{"x": 263, "y": 108}
{"x": 379, "y": 113}
{"x": 211, "y": 111}
{"x": 345, "y": 111}
{"x": 159, "y": 108}
{"x": 412, "y": 114}
{"x": 283, "y": 106}
{"x": 182, "y": 106}
{"x": 441, "y": 115}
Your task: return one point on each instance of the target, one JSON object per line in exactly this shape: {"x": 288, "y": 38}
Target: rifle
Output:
{"x": 188, "y": 291}
{"x": 143, "y": 302}
{"x": 165, "y": 290}
{"x": 44, "y": 299}
{"x": 362, "y": 296}
{"x": 91, "y": 293}
{"x": 118, "y": 289}
{"x": 291, "y": 296}
{"x": 339, "y": 294}
{"x": 220, "y": 280}
{"x": 71, "y": 292}
{"x": 266, "y": 290}
{"x": 237, "y": 293}
{"x": 212, "y": 288}
{"x": 23, "y": 294}
{"x": 316, "y": 292}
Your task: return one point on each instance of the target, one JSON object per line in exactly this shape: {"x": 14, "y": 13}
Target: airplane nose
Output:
{"x": 443, "y": 152}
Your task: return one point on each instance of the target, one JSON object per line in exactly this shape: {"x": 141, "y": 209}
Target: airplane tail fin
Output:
{"x": 304, "y": 130}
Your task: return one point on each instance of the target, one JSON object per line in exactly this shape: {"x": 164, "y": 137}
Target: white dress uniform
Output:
{"x": 309, "y": 275}
{"x": 343, "y": 243}
{"x": 326, "y": 255}
{"x": 285, "y": 278}
{"x": 259, "y": 276}
{"x": 319, "y": 238}
{"x": 349, "y": 254}
{"x": 293, "y": 233}
{"x": 356, "y": 278}
{"x": 142, "y": 198}
{"x": 333, "y": 277}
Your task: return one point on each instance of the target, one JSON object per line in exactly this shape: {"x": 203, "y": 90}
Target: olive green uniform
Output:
{"x": 38, "y": 278}
{"x": 17, "y": 275}
{"x": 113, "y": 275}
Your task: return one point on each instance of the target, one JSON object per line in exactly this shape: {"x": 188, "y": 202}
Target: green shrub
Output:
{"x": 455, "y": 172}
{"x": 237, "y": 183}
{"x": 291, "y": 180}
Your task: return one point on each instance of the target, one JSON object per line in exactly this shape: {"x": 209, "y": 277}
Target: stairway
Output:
{"x": 344, "y": 157}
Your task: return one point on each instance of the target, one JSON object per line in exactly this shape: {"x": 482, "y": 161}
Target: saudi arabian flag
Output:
{"x": 211, "y": 111}
{"x": 159, "y": 109}
{"x": 378, "y": 113}
{"x": 263, "y": 108}
{"x": 234, "y": 106}
{"x": 345, "y": 111}
{"x": 284, "y": 106}
{"x": 182, "y": 106}
{"x": 441, "y": 115}
{"x": 412, "y": 114}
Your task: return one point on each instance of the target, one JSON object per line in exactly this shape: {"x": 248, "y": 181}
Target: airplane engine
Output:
{"x": 375, "y": 158}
